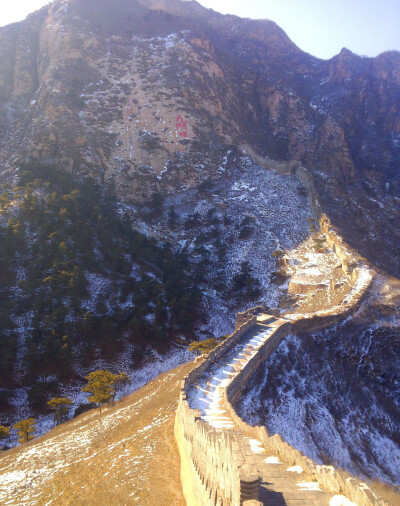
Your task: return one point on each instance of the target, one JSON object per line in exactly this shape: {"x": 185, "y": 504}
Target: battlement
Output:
{"x": 218, "y": 464}
{"x": 216, "y": 467}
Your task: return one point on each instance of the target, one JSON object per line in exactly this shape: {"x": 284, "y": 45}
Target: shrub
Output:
{"x": 4, "y": 432}
{"x": 200, "y": 347}
{"x": 102, "y": 385}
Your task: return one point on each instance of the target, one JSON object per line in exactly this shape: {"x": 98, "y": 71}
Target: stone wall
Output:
{"x": 217, "y": 466}
{"x": 347, "y": 257}
{"x": 330, "y": 479}
{"x": 362, "y": 278}
{"x": 242, "y": 318}
{"x": 239, "y": 382}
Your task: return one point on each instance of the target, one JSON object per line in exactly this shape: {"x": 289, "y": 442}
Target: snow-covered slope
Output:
{"x": 335, "y": 394}
{"x": 244, "y": 216}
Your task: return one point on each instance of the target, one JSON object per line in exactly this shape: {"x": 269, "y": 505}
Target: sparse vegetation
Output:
{"x": 244, "y": 285}
{"x": 278, "y": 254}
{"x": 205, "y": 346}
{"x": 319, "y": 244}
{"x": 121, "y": 381}
{"x": 200, "y": 347}
{"x": 102, "y": 386}
{"x": 279, "y": 277}
{"x": 311, "y": 224}
{"x": 4, "y": 433}
{"x": 59, "y": 232}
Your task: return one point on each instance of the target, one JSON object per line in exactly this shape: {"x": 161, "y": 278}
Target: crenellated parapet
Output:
{"x": 216, "y": 467}
{"x": 218, "y": 457}
{"x": 218, "y": 464}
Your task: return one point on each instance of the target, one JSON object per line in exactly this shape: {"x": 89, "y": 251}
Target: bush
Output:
{"x": 61, "y": 407}
{"x": 245, "y": 233}
{"x": 244, "y": 285}
{"x": 4, "y": 433}
{"x": 102, "y": 386}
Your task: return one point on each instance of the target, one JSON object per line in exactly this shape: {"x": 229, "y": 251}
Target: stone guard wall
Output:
{"x": 330, "y": 479}
{"x": 217, "y": 467}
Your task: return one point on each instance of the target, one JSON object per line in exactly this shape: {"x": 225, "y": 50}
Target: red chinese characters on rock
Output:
{"x": 181, "y": 126}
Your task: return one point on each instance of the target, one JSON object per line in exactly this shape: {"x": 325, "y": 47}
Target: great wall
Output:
{"x": 225, "y": 461}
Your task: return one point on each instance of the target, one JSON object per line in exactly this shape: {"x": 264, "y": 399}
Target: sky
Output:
{"x": 320, "y": 27}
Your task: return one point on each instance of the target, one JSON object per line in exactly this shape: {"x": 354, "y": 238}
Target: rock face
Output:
{"x": 149, "y": 95}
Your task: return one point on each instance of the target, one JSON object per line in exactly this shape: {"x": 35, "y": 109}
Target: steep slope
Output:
{"x": 126, "y": 455}
{"x": 148, "y": 96}
{"x": 151, "y": 99}
{"x": 334, "y": 393}
{"x": 81, "y": 290}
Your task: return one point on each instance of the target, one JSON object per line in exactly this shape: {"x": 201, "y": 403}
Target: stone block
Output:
{"x": 249, "y": 487}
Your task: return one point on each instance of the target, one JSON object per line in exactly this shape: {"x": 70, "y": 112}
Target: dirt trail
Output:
{"x": 126, "y": 456}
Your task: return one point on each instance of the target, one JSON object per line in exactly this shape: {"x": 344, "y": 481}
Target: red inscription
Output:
{"x": 181, "y": 127}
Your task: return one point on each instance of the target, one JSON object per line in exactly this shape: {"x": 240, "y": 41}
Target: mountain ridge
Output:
{"x": 153, "y": 107}
{"x": 77, "y": 91}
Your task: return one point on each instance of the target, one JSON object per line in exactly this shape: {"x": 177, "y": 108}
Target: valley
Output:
{"x": 164, "y": 169}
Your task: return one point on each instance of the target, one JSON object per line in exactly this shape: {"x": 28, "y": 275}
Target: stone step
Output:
{"x": 264, "y": 318}
{"x": 278, "y": 485}
{"x": 282, "y": 487}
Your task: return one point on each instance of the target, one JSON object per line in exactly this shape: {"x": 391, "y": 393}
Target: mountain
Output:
{"x": 148, "y": 96}
{"x": 133, "y": 218}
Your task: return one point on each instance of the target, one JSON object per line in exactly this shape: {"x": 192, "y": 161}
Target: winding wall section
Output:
{"x": 220, "y": 453}
{"x": 218, "y": 461}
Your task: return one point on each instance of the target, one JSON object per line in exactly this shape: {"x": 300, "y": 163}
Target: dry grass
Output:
{"x": 126, "y": 456}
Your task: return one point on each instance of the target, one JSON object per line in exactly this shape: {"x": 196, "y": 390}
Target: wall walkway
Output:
{"x": 225, "y": 461}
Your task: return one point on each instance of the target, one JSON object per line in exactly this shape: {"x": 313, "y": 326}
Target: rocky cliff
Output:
{"x": 148, "y": 96}
{"x": 153, "y": 100}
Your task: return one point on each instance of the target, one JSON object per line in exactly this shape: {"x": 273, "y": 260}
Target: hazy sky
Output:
{"x": 320, "y": 27}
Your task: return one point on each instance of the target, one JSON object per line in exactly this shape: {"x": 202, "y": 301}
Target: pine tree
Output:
{"x": 205, "y": 346}
{"x": 61, "y": 407}
{"x": 25, "y": 430}
{"x": 4, "y": 432}
{"x": 102, "y": 386}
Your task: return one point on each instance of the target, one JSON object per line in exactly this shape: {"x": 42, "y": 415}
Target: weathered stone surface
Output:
{"x": 147, "y": 96}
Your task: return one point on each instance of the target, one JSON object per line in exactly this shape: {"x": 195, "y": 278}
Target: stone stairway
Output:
{"x": 284, "y": 485}
{"x": 280, "y": 484}
{"x": 207, "y": 395}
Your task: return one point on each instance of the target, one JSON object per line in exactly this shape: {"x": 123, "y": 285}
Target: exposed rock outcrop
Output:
{"x": 146, "y": 96}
